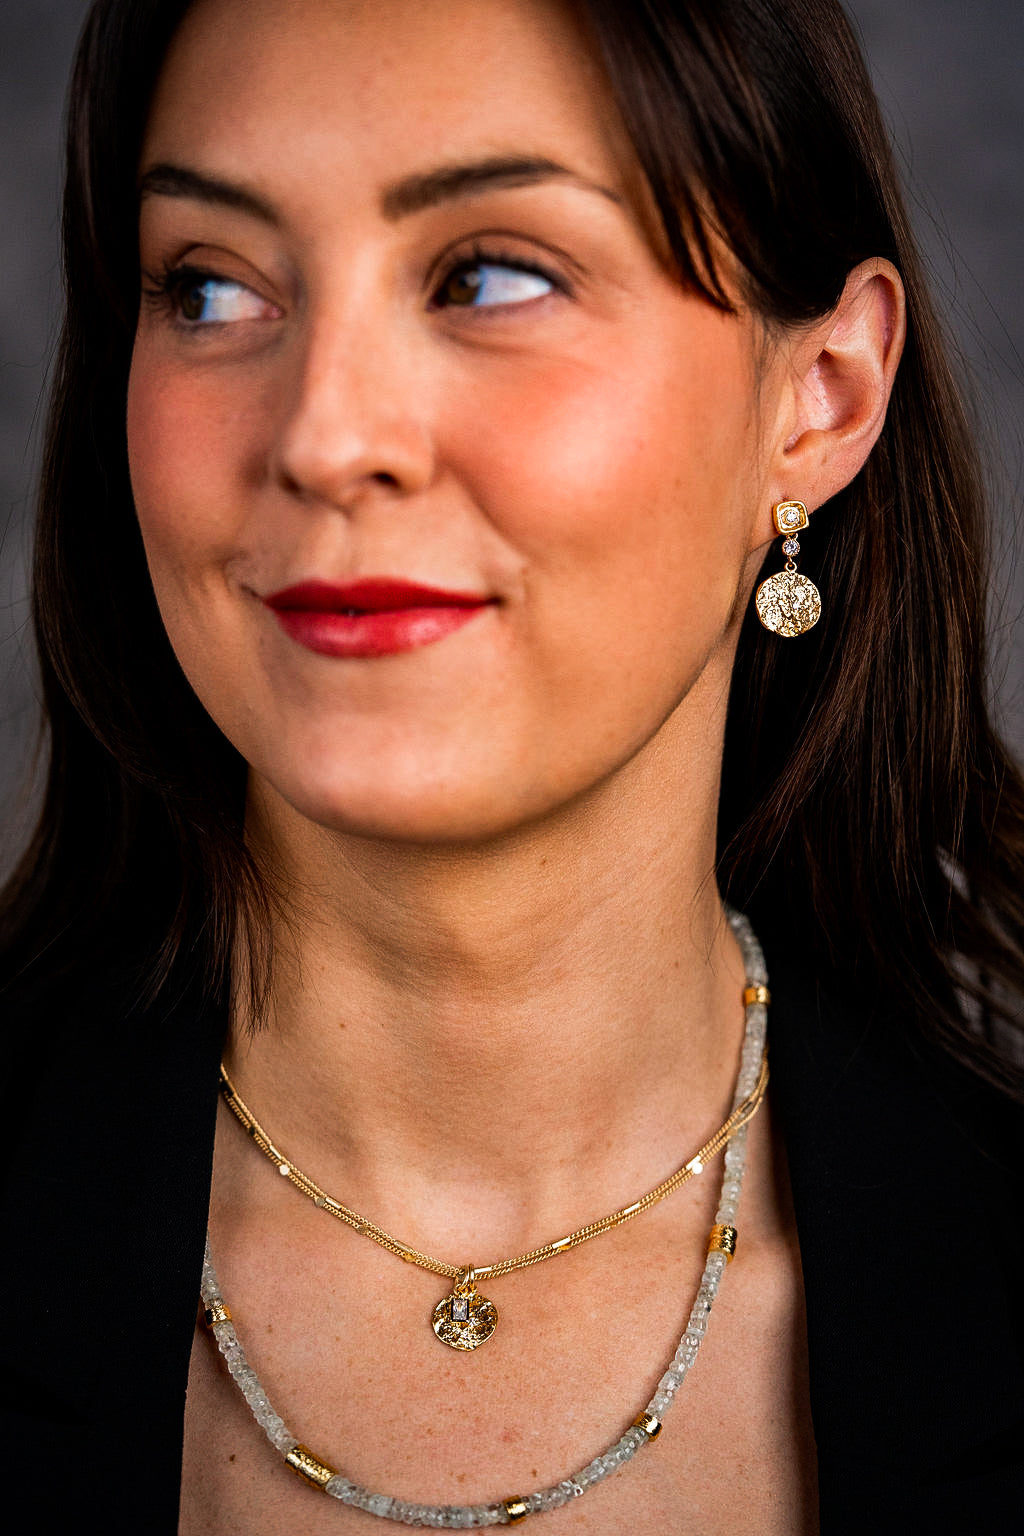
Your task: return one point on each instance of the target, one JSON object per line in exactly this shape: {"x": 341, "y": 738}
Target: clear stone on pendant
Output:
{"x": 791, "y": 546}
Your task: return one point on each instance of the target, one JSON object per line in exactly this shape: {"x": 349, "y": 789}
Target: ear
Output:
{"x": 834, "y": 391}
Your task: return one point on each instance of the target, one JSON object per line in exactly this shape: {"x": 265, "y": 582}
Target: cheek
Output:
{"x": 188, "y": 443}
{"x": 631, "y": 479}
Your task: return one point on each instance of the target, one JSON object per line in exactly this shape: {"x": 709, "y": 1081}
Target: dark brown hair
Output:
{"x": 865, "y": 794}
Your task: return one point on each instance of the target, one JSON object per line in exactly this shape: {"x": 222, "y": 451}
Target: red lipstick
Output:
{"x": 377, "y": 616}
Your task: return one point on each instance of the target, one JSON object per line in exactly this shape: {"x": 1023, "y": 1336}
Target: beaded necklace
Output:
{"x": 644, "y": 1428}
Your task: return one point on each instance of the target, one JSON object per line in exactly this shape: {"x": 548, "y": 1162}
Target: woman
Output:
{"x": 454, "y": 369}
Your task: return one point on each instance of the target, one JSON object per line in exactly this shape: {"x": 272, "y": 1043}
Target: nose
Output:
{"x": 354, "y": 423}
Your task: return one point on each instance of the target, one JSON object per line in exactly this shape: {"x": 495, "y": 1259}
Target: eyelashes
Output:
{"x": 490, "y": 278}
{"x": 196, "y": 298}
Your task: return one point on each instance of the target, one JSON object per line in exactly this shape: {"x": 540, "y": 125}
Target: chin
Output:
{"x": 446, "y": 810}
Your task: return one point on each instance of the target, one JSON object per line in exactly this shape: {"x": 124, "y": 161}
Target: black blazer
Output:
{"x": 907, "y": 1185}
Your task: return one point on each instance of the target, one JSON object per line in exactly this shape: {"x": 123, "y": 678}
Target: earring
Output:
{"x": 788, "y": 603}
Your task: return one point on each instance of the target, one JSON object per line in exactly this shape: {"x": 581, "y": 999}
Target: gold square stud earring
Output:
{"x": 788, "y": 603}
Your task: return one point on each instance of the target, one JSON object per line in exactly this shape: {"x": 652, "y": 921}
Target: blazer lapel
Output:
{"x": 906, "y": 1186}
{"x": 106, "y": 1213}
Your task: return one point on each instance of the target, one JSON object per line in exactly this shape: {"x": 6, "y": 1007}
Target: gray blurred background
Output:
{"x": 950, "y": 74}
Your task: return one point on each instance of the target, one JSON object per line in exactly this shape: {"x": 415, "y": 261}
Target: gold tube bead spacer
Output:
{"x": 301, "y": 1460}
{"x": 221, "y": 1313}
{"x": 722, "y": 1240}
{"x": 650, "y": 1425}
{"x": 756, "y": 995}
{"x": 517, "y": 1510}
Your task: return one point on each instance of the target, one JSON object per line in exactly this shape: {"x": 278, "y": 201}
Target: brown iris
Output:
{"x": 462, "y": 286}
{"x": 192, "y": 301}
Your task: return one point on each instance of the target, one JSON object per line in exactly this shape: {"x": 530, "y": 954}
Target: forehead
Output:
{"x": 283, "y": 91}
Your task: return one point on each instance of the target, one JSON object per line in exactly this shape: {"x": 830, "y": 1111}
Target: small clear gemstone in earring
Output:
{"x": 791, "y": 547}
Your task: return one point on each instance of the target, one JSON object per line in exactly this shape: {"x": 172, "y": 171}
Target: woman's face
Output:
{"x": 406, "y": 324}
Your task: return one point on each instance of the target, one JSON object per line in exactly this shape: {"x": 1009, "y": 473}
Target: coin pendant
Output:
{"x": 466, "y": 1321}
{"x": 788, "y": 603}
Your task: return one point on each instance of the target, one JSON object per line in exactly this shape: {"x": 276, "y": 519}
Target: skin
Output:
{"x": 493, "y": 852}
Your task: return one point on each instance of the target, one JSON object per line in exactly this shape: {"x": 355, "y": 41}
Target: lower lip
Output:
{"x": 387, "y": 632}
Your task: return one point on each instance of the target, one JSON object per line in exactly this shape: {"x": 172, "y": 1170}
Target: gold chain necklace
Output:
{"x": 463, "y": 1319}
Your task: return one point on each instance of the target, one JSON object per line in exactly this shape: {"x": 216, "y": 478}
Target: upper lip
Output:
{"x": 372, "y": 594}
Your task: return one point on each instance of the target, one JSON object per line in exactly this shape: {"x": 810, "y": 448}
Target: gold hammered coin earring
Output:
{"x": 787, "y": 603}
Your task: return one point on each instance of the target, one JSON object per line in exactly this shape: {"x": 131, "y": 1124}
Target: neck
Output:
{"x": 543, "y": 1010}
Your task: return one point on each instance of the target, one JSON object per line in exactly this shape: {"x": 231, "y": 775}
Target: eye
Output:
{"x": 483, "y": 283}
{"x": 198, "y": 298}
{"x": 216, "y": 300}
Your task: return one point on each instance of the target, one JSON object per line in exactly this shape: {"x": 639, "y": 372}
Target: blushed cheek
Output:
{"x": 170, "y": 496}
{"x": 158, "y": 453}
{"x": 615, "y": 463}
{"x": 625, "y": 485}
{"x": 179, "y": 458}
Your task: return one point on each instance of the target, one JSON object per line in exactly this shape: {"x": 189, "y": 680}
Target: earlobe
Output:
{"x": 842, "y": 373}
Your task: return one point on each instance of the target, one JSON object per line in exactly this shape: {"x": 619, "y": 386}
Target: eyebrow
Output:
{"x": 426, "y": 190}
{"x": 413, "y": 194}
{"x": 178, "y": 181}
